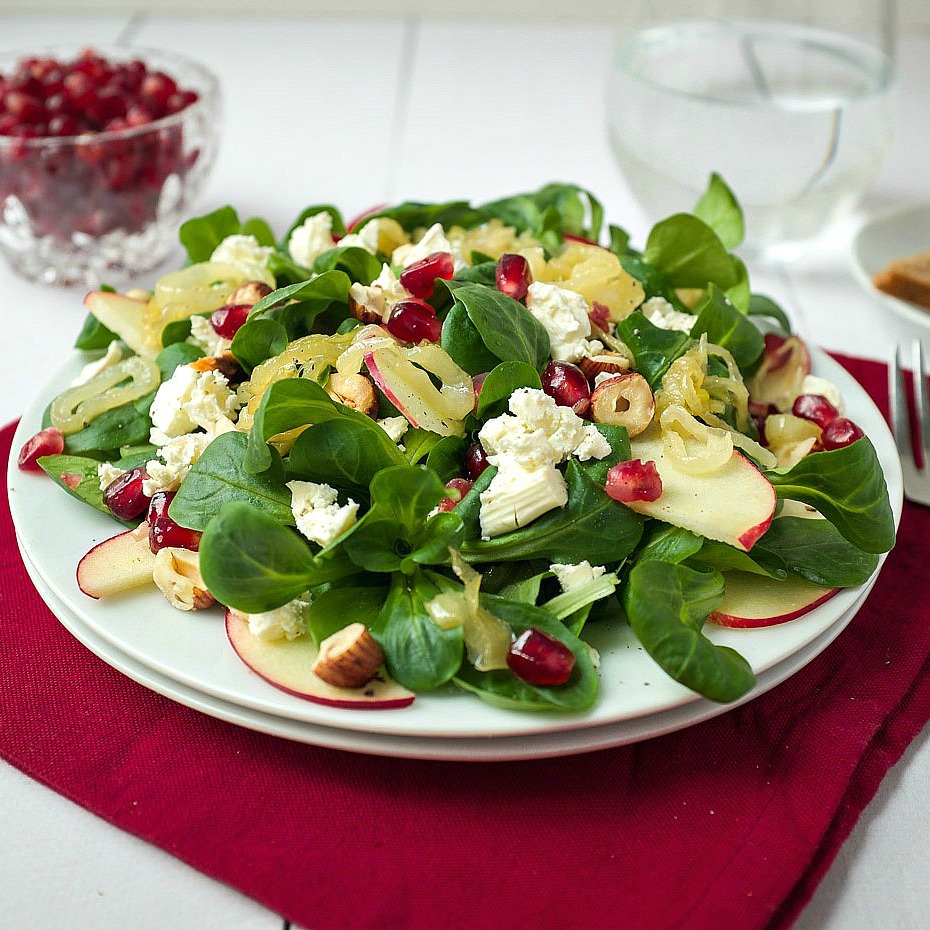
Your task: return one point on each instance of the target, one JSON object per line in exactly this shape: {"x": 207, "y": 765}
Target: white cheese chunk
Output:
{"x": 190, "y": 399}
{"x": 381, "y": 295}
{"x": 564, "y": 315}
{"x": 663, "y": 315}
{"x": 175, "y": 459}
{"x": 206, "y": 338}
{"x": 433, "y": 240}
{"x": 516, "y": 496}
{"x": 287, "y": 622}
{"x": 366, "y": 238}
{"x": 113, "y": 355}
{"x": 318, "y": 513}
{"x": 594, "y": 445}
{"x": 244, "y": 252}
{"x": 815, "y": 385}
{"x": 574, "y": 576}
{"x": 311, "y": 239}
{"x": 107, "y": 474}
{"x": 395, "y": 427}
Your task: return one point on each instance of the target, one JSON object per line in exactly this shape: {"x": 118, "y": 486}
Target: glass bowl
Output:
{"x": 104, "y": 206}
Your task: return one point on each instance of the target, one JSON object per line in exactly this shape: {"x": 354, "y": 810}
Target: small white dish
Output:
{"x": 879, "y": 241}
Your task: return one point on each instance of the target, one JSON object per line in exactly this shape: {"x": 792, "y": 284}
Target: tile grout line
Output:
{"x": 408, "y": 50}
{"x": 131, "y": 30}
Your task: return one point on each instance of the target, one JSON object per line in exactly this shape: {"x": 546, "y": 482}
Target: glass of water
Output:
{"x": 788, "y": 100}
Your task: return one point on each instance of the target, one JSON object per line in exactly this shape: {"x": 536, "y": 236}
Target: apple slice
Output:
{"x": 733, "y": 504}
{"x": 755, "y": 601}
{"x": 123, "y": 315}
{"x": 286, "y": 664}
{"x": 117, "y": 564}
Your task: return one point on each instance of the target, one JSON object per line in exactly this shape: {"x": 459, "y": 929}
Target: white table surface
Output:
{"x": 356, "y": 113}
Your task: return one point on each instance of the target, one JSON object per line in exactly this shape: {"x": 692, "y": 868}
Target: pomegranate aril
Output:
{"x": 816, "y": 408}
{"x": 163, "y": 531}
{"x": 513, "y": 276}
{"x": 420, "y": 277}
{"x": 459, "y": 487}
{"x": 634, "y": 481}
{"x": 840, "y": 433}
{"x": 24, "y": 108}
{"x": 124, "y": 495}
{"x": 599, "y": 316}
{"x": 566, "y": 384}
{"x": 413, "y": 320}
{"x": 476, "y": 460}
{"x": 227, "y": 321}
{"x": 539, "y": 659}
{"x": 49, "y": 441}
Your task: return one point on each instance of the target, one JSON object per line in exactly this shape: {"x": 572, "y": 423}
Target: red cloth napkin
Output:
{"x": 730, "y": 824}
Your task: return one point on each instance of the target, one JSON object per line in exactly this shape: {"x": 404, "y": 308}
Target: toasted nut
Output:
{"x": 355, "y": 391}
{"x": 177, "y": 574}
{"x": 349, "y": 658}
{"x": 624, "y": 401}
{"x": 225, "y": 364}
{"x": 365, "y": 312}
{"x": 612, "y": 363}
{"x": 249, "y": 293}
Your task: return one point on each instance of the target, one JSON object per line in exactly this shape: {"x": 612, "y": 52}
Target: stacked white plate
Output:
{"x": 186, "y": 657}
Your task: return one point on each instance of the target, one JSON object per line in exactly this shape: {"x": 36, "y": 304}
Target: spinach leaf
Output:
{"x": 418, "y": 444}
{"x": 727, "y": 327}
{"x": 178, "y": 353}
{"x": 500, "y": 383}
{"x": 412, "y": 215}
{"x": 359, "y": 264}
{"x": 760, "y": 305}
{"x": 551, "y": 212}
{"x": 480, "y": 273}
{"x": 87, "y": 487}
{"x": 445, "y": 458}
{"x": 202, "y": 234}
{"x": 719, "y": 208}
{"x": 847, "y": 486}
{"x": 258, "y": 228}
{"x": 739, "y": 294}
{"x": 507, "y": 329}
{"x": 252, "y": 563}
{"x": 503, "y": 689}
{"x": 653, "y": 349}
{"x": 94, "y": 335}
{"x": 419, "y": 654}
{"x": 218, "y": 476}
{"x": 665, "y": 543}
{"x": 334, "y": 609}
{"x": 619, "y": 241}
{"x": 689, "y": 254}
{"x": 133, "y": 456}
{"x": 257, "y": 340}
{"x": 343, "y": 453}
{"x": 667, "y": 606}
{"x": 127, "y": 425}
{"x": 461, "y": 339}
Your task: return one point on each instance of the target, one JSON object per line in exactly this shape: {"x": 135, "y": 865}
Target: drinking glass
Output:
{"x": 788, "y": 100}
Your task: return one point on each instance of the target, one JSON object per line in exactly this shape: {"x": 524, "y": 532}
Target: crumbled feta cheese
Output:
{"x": 593, "y": 446}
{"x": 318, "y": 513}
{"x": 381, "y": 295}
{"x": 395, "y": 427}
{"x": 663, "y": 315}
{"x": 177, "y": 456}
{"x": 433, "y": 240}
{"x": 516, "y": 496}
{"x": 366, "y": 238}
{"x": 564, "y": 315}
{"x": 189, "y": 399}
{"x": 814, "y": 385}
{"x": 287, "y": 622}
{"x": 603, "y": 376}
{"x": 311, "y": 239}
{"x": 574, "y": 576}
{"x": 107, "y": 474}
{"x": 244, "y": 252}
{"x": 206, "y": 338}
{"x": 113, "y": 355}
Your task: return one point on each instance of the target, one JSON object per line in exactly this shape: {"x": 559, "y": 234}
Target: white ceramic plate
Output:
{"x": 191, "y": 650}
{"x": 499, "y": 749}
{"x": 881, "y": 240}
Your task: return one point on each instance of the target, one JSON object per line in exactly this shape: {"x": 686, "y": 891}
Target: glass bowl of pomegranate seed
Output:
{"x": 102, "y": 153}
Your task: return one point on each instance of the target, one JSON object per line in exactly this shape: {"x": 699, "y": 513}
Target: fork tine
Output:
{"x": 899, "y": 421}
{"x": 923, "y": 403}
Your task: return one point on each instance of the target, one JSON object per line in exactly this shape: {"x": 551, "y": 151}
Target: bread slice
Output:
{"x": 907, "y": 279}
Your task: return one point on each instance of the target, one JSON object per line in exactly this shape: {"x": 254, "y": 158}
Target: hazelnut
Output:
{"x": 355, "y": 391}
{"x": 249, "y": 293}
{"x": 365, "y": 312}
{"x": 625, "y": 400}
{"x": 349, "y": 658}
{"x": 177, "y": 574}
{"x": 612, "y": 363}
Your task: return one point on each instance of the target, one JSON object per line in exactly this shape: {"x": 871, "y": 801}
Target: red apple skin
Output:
{"x": 379, "y": 379}
{"x": 129, "y": 550}
{"x": 237, "y": 629}
{"x": 755, "y": 623}
{"x": 751, "y": 537}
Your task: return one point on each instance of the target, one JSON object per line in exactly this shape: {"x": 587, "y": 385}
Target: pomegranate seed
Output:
{"x": 458, "y": 487}
{"x": 227, "y": 321}
{"x": 634, "y": 481}
{"x": 513, "y": 275}
{"x": 49, "y": 441}
{"x": 565, "y": 383}
{"x": 539, "y": 659}
{"x": 775, "y": 354}
{"x": 71, "y": 479}
{"x": 124, "y": 495}
{"x": 63, "y": 125}
{"x": 413, "y": 320}
{"x": 840, "y": 433}
{"x": 420, "y": 277}
{"x": 477, "y": 385}
{"x": 599, "y": 316}
{"x": 23, "y": 107}
{"x": 816, "y": 408}
{"x": 476, "y": 460}
{"x": 163, "y": 531}
{"x": 158, "y": 88}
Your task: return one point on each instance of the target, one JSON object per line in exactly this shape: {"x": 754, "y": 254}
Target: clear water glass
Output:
{"x": 786, "y": 100}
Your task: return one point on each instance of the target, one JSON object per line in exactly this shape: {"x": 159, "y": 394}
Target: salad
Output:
{"x": 431, "y": 448}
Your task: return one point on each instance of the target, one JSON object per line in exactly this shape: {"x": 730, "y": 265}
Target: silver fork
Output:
{"x": 916, "y": 480}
